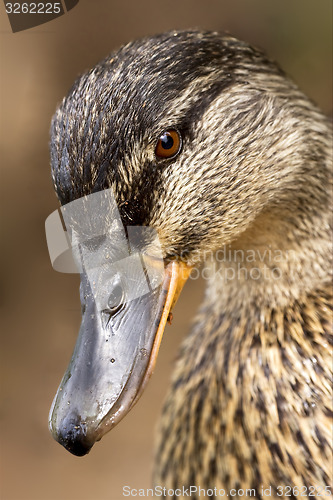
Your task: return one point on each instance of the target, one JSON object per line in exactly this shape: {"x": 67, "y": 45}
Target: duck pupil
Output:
{"x": 115, "y": 297}
{"x": 167, "y": 141}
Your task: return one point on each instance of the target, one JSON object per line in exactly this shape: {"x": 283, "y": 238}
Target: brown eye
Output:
{"x": 169, "y": 144}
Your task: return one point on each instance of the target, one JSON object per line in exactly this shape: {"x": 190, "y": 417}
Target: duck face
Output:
{"x": 160, "y": 124}
{"x": 214, "y": 92}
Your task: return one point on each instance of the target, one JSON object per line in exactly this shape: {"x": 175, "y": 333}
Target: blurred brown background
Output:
{"x": 40, "y": 308}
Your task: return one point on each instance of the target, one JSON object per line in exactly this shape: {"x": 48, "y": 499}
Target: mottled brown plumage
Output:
{"x": 250, "y": 402}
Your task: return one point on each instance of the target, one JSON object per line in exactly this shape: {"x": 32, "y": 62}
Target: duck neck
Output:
{"x": 249, "y": 402}
{"x": 277, "y": 261}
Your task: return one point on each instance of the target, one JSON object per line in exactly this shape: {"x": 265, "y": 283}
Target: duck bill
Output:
{"x": 112, "y": 362}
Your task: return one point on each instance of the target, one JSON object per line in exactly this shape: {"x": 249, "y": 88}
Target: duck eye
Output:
{"x": 169, "y": 144}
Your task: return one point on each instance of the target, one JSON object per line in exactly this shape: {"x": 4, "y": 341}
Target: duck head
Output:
{"x": 187, "y": 130}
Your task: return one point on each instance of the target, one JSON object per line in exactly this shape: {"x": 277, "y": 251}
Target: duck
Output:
{"x": 207, "y": 141}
